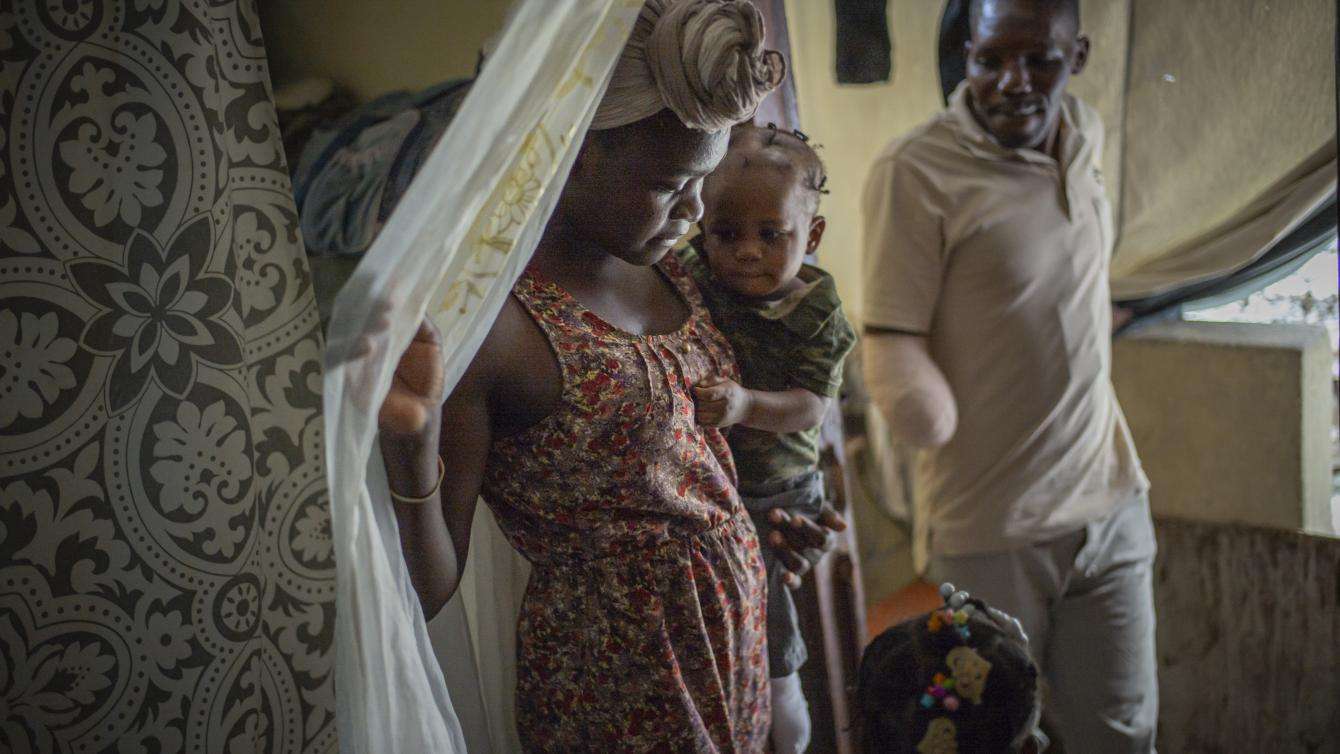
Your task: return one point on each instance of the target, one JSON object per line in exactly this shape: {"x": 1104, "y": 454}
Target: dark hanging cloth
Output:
{"x": 864, "y": 52}
{"x": 436, "y": 112}
{"x": 954, "y": 33}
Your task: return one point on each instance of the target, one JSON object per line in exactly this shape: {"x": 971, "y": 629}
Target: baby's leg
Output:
{"x": 790, "y": 716}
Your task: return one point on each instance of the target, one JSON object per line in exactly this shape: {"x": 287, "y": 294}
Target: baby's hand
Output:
{"x": 721, "y": 402}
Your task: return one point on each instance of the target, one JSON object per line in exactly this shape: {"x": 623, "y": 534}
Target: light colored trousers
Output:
{"x": 1086, "y": 601}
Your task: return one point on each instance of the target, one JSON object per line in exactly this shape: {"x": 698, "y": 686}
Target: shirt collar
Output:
{"x": 804, "y": 312}
{"x": 807, "y": 310}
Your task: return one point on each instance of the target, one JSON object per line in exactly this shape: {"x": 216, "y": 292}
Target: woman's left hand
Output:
{"x": 801, "y": 542}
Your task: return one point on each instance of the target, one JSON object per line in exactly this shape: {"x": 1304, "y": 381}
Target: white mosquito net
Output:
{"x": 453, "y": 249}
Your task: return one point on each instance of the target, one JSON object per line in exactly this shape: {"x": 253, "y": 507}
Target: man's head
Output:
{"x": 1021, "y": 55}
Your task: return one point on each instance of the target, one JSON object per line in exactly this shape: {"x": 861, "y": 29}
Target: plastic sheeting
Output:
{"x": 453, "y": 248}
{"x": 1228, "y": 114}
{"x": 1180, "y": 109}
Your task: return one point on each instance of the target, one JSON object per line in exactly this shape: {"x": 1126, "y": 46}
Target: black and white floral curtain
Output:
{"x": 166, "y": 571}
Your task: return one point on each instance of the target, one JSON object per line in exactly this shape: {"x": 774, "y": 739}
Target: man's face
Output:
{"x": 1020, "y": 58}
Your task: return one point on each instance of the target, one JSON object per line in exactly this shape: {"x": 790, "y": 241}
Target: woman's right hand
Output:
{"x": 410, "y": 418}
{"x": 413, "y": 407}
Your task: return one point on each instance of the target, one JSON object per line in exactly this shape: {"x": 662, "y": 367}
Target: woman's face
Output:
{"x": 636, "y": 189}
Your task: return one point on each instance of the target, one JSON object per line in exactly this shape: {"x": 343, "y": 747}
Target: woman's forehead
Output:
{"x": 692, "y": 153}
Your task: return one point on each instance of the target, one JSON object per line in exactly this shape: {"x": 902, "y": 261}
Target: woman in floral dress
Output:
{"x": 642, "y": 628}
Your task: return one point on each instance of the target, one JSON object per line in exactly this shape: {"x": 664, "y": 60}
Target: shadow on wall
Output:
{"x": 417, "y": 43}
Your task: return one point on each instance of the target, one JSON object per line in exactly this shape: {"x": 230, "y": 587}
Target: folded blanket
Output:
{"x": 353, "y": 171}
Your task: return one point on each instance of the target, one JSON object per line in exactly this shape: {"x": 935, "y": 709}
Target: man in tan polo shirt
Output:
{"x": 988, "y": 321}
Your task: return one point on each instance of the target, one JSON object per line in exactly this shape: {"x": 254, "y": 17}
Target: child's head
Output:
{"x": 760, "y": 210}
{"x": 923, "y": 687}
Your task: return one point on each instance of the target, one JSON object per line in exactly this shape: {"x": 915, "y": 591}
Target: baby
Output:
{"x": 785, "y": 323}
{"x": 958, "y": 679}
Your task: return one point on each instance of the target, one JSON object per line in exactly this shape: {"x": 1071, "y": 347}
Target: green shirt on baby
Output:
{"x": 798, "y": 341}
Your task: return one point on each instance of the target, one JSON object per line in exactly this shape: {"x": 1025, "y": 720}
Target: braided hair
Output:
{"x": 894, "y": 673}
{"x": 787, "y": 149}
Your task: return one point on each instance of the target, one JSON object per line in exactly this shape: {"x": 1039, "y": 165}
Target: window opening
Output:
{"x": 1307, "y": 295}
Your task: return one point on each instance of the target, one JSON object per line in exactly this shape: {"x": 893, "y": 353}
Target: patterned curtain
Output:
{"x": 166, "y": 571}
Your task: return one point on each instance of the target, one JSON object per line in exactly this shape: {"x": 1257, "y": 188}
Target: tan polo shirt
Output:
{"x": 1000, "y": 256}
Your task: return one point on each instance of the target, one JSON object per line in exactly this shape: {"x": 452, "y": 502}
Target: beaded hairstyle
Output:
{"x": 958, "y": 679}
{"x": 794, "y": 148}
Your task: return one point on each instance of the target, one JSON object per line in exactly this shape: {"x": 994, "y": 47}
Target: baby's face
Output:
{"x": 757, "y": 226}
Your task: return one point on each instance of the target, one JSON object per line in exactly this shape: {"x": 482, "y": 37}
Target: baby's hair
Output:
{"x": 900, "y": 663}
{"x": 794, "y": 148}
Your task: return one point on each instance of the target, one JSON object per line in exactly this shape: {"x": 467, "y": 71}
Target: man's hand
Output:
{"x": 721, "y": 402}
{"x": 801, "y": 542}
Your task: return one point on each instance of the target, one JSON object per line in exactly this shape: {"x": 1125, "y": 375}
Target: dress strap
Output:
{"x": 558, "y": 316}
{"x": 543, "y": 300}
{"x": 683, "y": 282}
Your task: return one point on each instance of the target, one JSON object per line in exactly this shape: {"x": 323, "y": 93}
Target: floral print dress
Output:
{"x": 642, "y": 627}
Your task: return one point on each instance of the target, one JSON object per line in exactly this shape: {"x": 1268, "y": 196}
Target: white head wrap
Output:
{"x": 703, "y": 59}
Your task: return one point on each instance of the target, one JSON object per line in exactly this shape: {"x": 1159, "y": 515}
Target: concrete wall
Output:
{"x": 1232, "y": 421}
{"x": 1248, "y": 639}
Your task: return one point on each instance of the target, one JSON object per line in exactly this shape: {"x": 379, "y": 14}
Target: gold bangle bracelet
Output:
{"x": 441, "y": 474}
